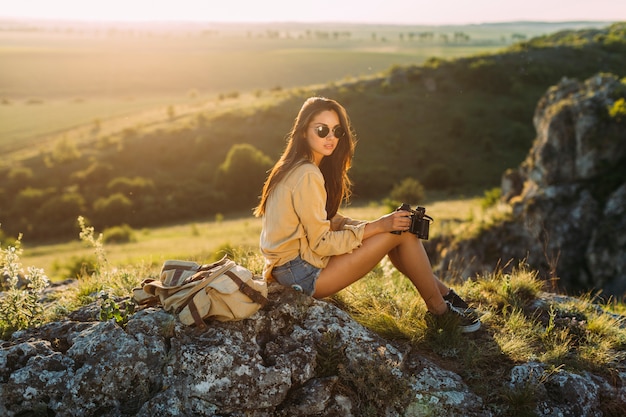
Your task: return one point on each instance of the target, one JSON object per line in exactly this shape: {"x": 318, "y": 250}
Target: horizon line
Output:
{"x": 207, "y": 21}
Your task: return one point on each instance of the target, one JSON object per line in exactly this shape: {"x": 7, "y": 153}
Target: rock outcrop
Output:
{"x": 283, "y": 361}
{"x": 568, "y": 197}
{"x": 296, "y": 357}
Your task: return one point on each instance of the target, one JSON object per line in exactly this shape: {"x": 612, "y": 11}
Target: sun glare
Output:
{"x": 147, "y": 10}
{"x": 103, "y": 10}
{"x": 390, "y": 11}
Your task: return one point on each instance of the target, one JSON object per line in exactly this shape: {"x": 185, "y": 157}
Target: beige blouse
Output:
{"x": 295, "y": 223}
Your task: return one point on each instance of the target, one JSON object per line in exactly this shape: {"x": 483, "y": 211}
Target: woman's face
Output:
{"x": 324, "y": 122}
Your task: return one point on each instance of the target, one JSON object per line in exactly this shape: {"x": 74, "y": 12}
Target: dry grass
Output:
{"x": 197, "y": 241}
{"x": 516, "y": 329}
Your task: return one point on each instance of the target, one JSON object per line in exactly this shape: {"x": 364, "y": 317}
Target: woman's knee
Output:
{"x": 408, "y": 238}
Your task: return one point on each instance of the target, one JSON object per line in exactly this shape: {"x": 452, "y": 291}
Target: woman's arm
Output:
{"x": 393, "y": 222}
{"x": 339, "y": 221}
{"x": 309, "y": 202}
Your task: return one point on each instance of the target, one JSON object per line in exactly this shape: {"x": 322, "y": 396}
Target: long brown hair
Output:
{"x": 334, "y": 167}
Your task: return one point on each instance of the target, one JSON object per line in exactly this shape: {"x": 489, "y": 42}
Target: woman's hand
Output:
{"x": 397, "y": 221}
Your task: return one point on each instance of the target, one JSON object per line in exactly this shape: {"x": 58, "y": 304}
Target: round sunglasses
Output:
{"x": 323, "y": 131}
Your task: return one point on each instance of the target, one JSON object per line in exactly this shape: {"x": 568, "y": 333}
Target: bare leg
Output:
{"x": 396, "y": 260}
{"x": 343, "y": 270}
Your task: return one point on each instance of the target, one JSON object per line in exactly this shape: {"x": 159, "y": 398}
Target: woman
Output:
{"x": 309, "y": 246}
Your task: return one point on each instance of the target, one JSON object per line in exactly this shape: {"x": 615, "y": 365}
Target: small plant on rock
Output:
{"x": 105, "y": 283}
{"x": 110, "y": 308}
{"x": 19, "y": 304}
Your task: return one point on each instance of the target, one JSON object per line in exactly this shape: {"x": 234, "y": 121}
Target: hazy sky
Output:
{"x": 387, "y": 11}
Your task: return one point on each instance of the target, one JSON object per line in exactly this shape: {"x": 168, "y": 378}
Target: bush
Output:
{"x": 6, "y": 240}
{"x": 61, "y": 208}
{"x": 119, "y": 234}
{"x": 76, "y": 266}
{"x": 18, "y": 178}
{"x": 19, "y": 304}
{"x": 408, "y": 191}
{"x": 95, "y": 174}
{"x": 242, "y": 173}
{"x": 113, "y": 210}
{"x": 64, "y": 151}
{"x": 491, "y": 198}
{"x": 137, "y": 186}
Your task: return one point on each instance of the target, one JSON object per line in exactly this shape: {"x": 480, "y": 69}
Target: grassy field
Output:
{"x": 33, "y": 111}
{"x": 202, "y": 240}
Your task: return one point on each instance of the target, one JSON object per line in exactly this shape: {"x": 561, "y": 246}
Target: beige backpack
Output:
{"x": 223, "y": 290}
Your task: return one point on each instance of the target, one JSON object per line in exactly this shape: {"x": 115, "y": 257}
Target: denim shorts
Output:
{"x": 297, "y": 274}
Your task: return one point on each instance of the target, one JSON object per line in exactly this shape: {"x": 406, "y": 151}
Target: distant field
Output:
{"x": 28, "y": 111}
{"x": 57, "y": 77}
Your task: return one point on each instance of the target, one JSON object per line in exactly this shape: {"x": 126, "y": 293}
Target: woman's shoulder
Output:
{"x": 304, "y": 168}
{"x": 303, "y": 171}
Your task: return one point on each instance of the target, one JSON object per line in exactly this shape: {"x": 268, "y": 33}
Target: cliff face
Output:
{"x": 296, "y": 357}
{"x": 568, "y": 197}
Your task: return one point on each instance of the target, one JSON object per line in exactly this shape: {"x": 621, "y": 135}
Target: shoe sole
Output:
{"x": 470, "y": 328}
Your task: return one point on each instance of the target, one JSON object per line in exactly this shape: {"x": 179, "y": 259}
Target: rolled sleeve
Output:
{"x": 339, "y": 222}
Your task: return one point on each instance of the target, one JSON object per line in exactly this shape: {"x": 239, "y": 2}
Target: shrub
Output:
{"x": 64, "y": 151}
{"x": 131, "y": 186}
{"x": 17, "y": 178}
{"x": 409, "y": 190}
{"x": 30, "y": 199}
{"x": 112, "y": 210}
{"x": 20, "y": 174}
{"x": 19, "y": 305}
{"x": 242, "y": 173}
{"x": 61, "y": 208}
{"x": 95, "y": 173}
{"x": 119, "y": 234}
{"x": 75, "y": 266}
{"x": 491, "y": 198}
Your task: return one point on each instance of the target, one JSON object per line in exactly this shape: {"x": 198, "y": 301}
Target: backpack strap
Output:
{"x": 197, "y": 318}
{"x": 254, "y": 295}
